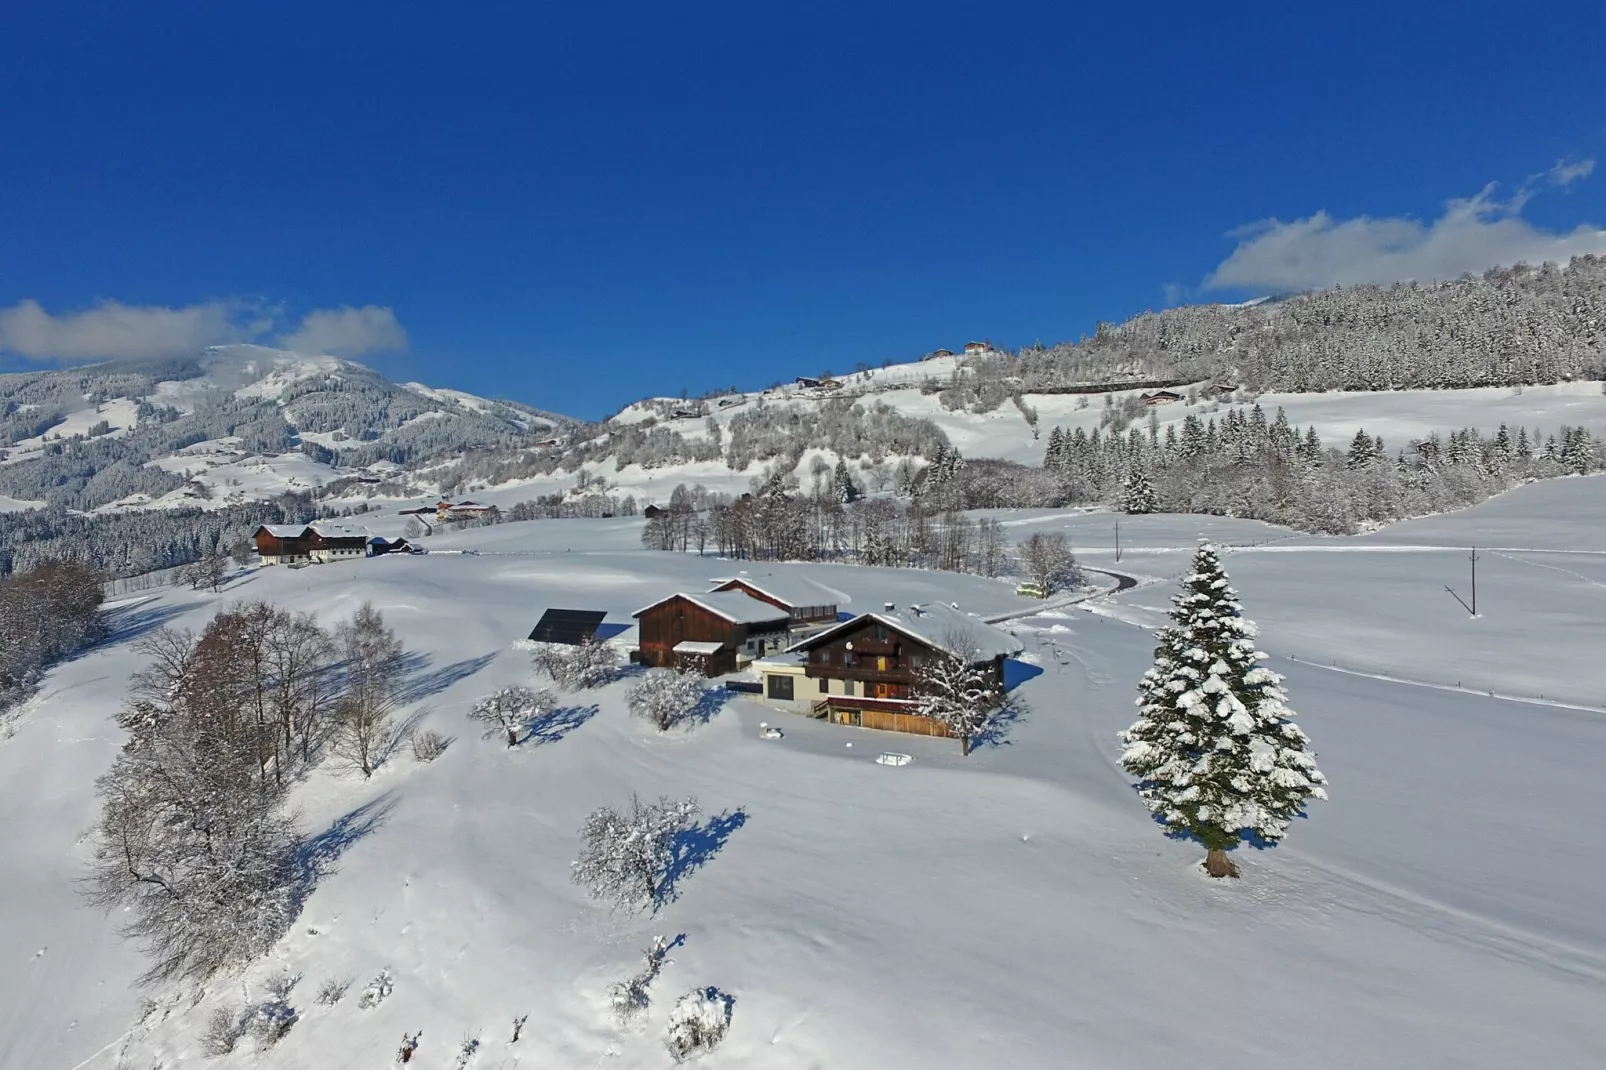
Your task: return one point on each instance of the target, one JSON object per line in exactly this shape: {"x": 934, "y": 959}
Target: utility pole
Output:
{"x": 1473, "y": 608}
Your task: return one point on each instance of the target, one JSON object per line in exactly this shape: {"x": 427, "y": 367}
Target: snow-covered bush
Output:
{"x": 624, "y": 856}
{"x": 629, "y": 997}
{"x": 1215, "y": 749}
{"x": 699, "y": 1021}
{"x": 409, "y": 1047}
{"x": 377, "y": 991}
{"x": 222, "y": 1033}
{"x": 510, "y": 709}
{"x": 663, "y": 696}
{"x": 466, "y": 1052}
{"x": 270, "y": 1021}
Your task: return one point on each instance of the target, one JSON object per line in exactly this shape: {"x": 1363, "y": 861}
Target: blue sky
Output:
{"x": 578, "y": 205}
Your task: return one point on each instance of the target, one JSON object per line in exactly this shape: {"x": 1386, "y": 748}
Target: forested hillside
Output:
{"x": 1507, "y": 326}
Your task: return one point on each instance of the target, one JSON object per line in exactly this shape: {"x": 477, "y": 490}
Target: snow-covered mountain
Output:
{"x": 233, "y": 424}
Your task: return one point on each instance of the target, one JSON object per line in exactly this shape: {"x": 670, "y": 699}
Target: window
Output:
{"x": 780, "y": 687}
{"x": 847, "y": 687}
{"x": 825, "y": 685}
{"x": 881, "y": 633}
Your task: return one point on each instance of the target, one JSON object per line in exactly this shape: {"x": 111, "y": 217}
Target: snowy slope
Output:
{"x": 1016, "y": 908}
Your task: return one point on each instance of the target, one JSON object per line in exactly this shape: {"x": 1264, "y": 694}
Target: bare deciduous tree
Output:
{"x": 1048, "y": 561}
{"x": 373, "y": 658}
{"x": 625, "y": 855}
{"x": 957, "y": 690}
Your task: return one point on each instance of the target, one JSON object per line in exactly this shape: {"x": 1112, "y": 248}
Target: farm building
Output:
{"x": 1162, "y": 397}
{"x": 714, "y": 631}
{"x": 320, "y": 543}
{"x": 939, "y": 353}
{"x": 972, "y": 348}
{"x": 811, "y": 608}
{"x": 863, "y": 672}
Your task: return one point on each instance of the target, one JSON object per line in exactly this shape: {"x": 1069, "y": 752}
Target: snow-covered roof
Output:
{"x": 285, "y": 531}
{"x": 938, "y": 625}
{"x": 794, "y": 591}
{"x": 689, "y": 646}
{"x": 331, "y": 530}
{"x": 734, "y": 606}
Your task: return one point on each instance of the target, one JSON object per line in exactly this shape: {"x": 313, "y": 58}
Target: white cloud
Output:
{"x": 113, "y": 330}
{"x": 1472, "y": 235}
{"x": 1565, "y": 173}
{"x": 347, "y": 332}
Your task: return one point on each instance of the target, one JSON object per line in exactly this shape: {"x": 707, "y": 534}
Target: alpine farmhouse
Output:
{"x": 863, "y": 671}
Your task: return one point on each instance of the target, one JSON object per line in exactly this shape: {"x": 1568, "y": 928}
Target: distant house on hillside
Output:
{"x": 807, "y": 382}
{"x": 863, "y": 672}
{"x": 319, "y": 543}
{"x": 972, "y": 348}
{"x": 711, "y": 632}
{"x": 653, "y": 512}
{"x": 1162, "y": 397}
{"x": 939, "y": 353}
{"x": 447, "y": 511}
{"x": 809, "y": 608}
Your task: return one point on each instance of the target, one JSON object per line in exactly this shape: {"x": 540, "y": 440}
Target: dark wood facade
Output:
{"x": 679, "y": 619}
{"x": 809, "y": 614}
{"x": 875, "y": 655}
{"x": 308, "y": 546}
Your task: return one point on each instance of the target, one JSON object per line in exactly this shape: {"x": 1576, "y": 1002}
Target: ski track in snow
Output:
{"x": 1531, "y": 700}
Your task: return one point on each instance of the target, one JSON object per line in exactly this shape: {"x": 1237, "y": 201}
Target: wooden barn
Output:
{"x": 863, "y": 672}
{"x": 809, "y": 607}
{"x": 710, "y": 631}
{"x": 320, "y": 543}
{"x": 1162, "y": 397}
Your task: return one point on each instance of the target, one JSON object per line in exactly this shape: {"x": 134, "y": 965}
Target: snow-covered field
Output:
{"x": 1016, "y": 908}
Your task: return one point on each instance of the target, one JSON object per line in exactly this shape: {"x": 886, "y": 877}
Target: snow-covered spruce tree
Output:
{"x": 665, "y": 695}
{"x": 624, "y": 855}
{"x": 1137, "y": 492}
{"x": 1215, "y": 750}
{"x": 510, "y": 709}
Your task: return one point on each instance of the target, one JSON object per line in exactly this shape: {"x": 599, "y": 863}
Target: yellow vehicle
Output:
{"x": 1031, "y": 590}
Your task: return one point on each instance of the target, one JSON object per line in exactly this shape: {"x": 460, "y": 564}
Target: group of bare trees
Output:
{"x": 779, "y": 523}
{"x": 194, "y": 841}
{"x": 46, "y": 613}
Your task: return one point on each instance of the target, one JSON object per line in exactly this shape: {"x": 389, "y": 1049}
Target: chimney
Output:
{"x": 889, "y": 606}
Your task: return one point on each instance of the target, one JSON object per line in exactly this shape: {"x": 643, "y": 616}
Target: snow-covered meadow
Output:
{"x": 1017, "y": 907}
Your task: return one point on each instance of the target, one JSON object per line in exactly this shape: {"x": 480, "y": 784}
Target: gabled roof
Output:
{"x": 284, "y": 531}
{"x": 333, "y": 530}
{"x": 734, "y": 606}
{"x": 937, "y": 625}
{"x": 794, "y": 591}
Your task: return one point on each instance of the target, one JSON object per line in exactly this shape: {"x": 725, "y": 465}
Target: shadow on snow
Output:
{"x": 693, "y": 849}
{"x": 552, "y": 726}
{"x": 131, "y": 622}
{"x": 316, "y": 857}
{"x": 419, "y": 684}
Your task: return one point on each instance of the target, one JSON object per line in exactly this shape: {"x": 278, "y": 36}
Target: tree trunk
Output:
{"x": 512, "y": 737}
{"x": 1217, "y": 864}
{"x": 964, "y": 746}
